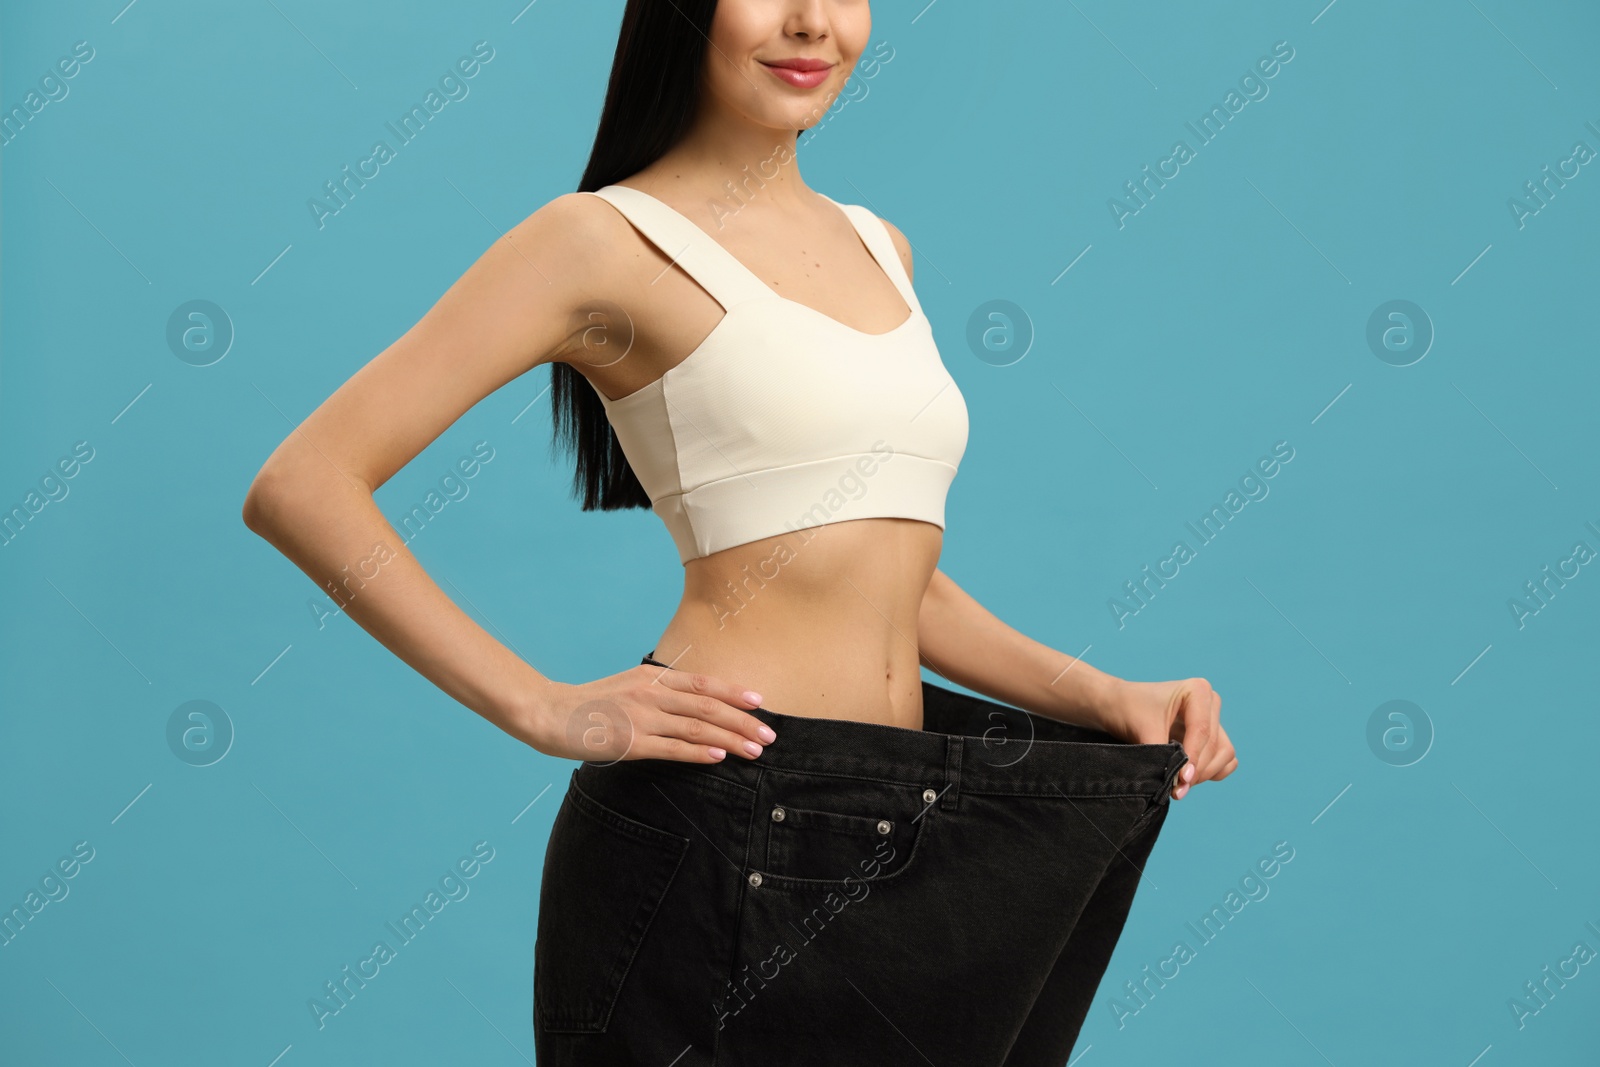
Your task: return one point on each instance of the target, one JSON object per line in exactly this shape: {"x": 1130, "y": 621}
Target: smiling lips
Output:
{"x": 800, "y": 73}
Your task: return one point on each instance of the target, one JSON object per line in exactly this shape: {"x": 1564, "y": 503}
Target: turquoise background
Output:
{"x": 1431, "y": 877}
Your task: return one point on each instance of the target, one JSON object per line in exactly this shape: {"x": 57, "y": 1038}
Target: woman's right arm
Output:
{"x": 521, "y": 304}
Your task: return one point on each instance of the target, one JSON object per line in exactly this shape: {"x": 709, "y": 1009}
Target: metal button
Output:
{"x": 755, "y": 879}
{"x": 884, "y": 826}
{"x": 929, "y": 796}
{"x": 777, "y": 814}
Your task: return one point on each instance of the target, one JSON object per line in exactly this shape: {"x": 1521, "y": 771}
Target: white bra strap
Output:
{"x": 876, "y": 237}
{"x": 717, "y": 270}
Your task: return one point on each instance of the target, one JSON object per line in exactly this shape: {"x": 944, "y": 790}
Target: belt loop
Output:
{"x": 953, "y": 746}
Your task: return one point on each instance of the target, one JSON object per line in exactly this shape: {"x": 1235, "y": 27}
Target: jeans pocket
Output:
{"x": 820, "y": 833}
{"x": 605, "y": 876}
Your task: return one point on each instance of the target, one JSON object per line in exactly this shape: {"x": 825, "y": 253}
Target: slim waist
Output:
{"x": 969, "y": 742}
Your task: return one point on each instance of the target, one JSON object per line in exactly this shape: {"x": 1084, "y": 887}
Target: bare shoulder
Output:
{"x": 603, "y": 256}
{"x": 901, "y": 245}
{"x": 594, "y": 261}
{"x": 579, "y": 217}
{"x": 577, "y": 230}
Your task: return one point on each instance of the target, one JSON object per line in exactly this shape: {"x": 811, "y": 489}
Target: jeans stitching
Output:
{"x": 624, "y": 824}
{"x": 789, "y": 884}
{"x": 555, "y": 1021}
{"x": 736, "y": 934}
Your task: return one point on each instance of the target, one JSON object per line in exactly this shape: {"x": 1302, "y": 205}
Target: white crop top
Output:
{"x": 783, "y": 417}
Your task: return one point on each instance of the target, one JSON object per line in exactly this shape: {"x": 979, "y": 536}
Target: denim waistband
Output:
{"x": 968, "y": 743}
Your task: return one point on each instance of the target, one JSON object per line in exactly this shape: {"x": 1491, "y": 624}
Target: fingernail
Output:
{"x": 753, "y": 697}
{"x": 766, "y": 733}
{"x": 1182, "y": 790}
{"x": 752, "y": 748}
{"x": 1188, "y": 772}
{"x": 717, "y": 753}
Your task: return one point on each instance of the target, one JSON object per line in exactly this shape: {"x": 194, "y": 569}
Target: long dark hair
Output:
{"x": 650, "y": 102}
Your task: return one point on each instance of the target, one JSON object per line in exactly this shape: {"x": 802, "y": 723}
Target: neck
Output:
{"x": 728, "y": 163}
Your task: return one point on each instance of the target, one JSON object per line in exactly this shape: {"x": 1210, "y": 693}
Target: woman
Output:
{"x": 783, "y": 845}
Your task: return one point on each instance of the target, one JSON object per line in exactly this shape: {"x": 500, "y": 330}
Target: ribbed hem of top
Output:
{"x": 769, "y": 503}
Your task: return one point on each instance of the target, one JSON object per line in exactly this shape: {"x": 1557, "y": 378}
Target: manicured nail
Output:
{"x": 1182, "y": 790}
{"x": 1188, "y": 772}
{"x": 753, "y": 697}
{"x": 717, "y": 753}
{"x": 766, "y": 733}
{"x": 752, "y": 748}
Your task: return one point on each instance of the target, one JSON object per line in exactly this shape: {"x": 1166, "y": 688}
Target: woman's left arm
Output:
{"x": 959, "y": 639}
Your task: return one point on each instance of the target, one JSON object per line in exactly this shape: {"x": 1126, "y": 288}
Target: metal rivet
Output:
{"x": 884, "y": 826}
{"x": 777, "y": 814}
{"x": 929, "y": 796}
{"x": 755, "y": 879}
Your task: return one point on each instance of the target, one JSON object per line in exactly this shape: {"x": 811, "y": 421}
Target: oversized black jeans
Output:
{"x": 858, "y": 894}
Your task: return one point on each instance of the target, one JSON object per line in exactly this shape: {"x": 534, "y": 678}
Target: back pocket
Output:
{"x": 604, "y": 878}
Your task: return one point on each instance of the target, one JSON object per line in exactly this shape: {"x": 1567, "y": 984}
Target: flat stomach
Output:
{"x": 821, "y": 622}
